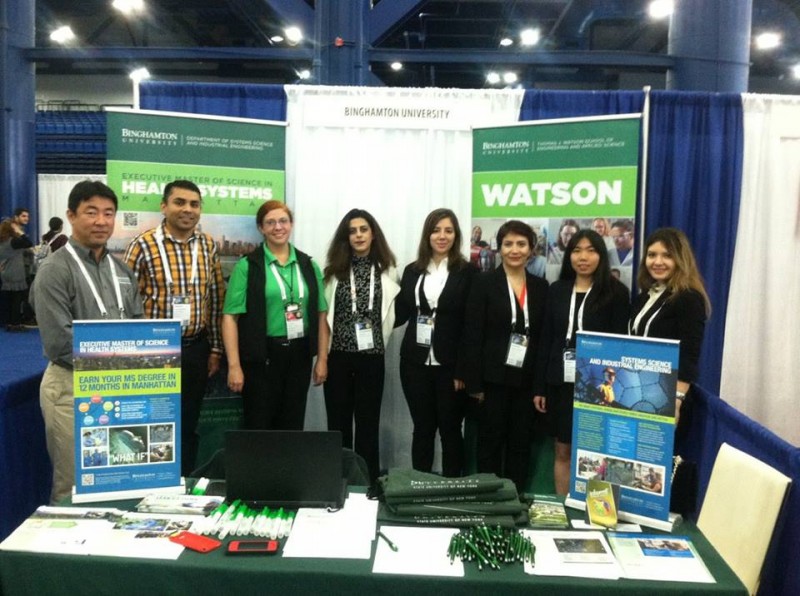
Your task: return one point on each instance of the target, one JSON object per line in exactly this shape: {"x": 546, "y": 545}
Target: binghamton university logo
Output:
{"x": 133, "y": 135}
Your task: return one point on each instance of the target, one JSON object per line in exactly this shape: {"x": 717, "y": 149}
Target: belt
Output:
{"x": 283, "y": 341}
{"x": 193, "y": 339}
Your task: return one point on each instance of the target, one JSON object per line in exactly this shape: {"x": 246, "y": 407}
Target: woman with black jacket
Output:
{"x": 585, "y": 298}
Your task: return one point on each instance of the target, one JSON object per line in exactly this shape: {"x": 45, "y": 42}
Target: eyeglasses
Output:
{"x": 271, "y": 223}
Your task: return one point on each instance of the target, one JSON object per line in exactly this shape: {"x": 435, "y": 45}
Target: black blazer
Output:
{"x": 488, "y": 329}
{"x": 612, "y": 317}
{"x": 449, "y": 316}
{"x": 682, "y": 318}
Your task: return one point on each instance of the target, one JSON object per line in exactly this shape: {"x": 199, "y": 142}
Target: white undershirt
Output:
{"x": 435, "y": 279}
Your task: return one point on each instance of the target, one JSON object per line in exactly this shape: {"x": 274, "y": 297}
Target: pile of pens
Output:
{"x": 237, "y": 519}
{"x": 491, "y": 547}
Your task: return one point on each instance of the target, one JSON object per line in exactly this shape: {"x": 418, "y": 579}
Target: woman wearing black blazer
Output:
{"x": 504, "y": 318}
{"x": 673, "y": 303}
{"x": 585, "y": 298}
{"x": 433, "y": 295}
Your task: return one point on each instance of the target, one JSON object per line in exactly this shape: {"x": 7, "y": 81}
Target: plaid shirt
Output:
{"x": 207, "y": 293}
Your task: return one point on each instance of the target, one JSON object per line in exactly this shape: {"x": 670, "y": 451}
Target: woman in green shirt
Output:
{"x": 273, "y": 324}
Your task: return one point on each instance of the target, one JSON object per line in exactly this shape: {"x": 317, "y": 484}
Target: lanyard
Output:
{"x": 371, "y": 289}
{"x": 572, "y": 312}
{"x": 167, "y": 270}
{"x": 633, "y": 326}
{"x": 279, "y": 279}
{"x": 93, "y": 288}
{"x": 513, "y": 301}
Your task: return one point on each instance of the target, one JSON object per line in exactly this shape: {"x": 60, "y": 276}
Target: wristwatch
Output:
{"x": 680, "y": 395}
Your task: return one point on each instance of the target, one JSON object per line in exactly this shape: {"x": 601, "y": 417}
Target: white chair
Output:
{"x": 740, "y": 509}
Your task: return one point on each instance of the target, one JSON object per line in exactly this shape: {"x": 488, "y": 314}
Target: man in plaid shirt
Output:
{"x": 180, "y": 277}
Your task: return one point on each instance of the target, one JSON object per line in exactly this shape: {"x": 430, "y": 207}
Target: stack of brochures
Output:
{"x": 184, "y": 504}
{"x": 547, "y": 512}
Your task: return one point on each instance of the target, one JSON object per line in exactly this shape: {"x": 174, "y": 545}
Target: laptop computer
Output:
{"x": 285, "y": 468}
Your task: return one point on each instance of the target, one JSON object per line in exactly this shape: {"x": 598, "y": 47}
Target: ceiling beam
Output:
{"x": 167, "y": 54}
{"x": 387, "y": 15}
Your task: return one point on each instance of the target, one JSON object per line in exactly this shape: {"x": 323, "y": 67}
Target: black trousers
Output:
{"x": 434, "y": 405}
{"x": 274, "y": 392}
{"x": 194, "y": 379}
{"x": 353, "y": 392}
{"x": 505, "y": 427}
{"x": 16, "y": 298}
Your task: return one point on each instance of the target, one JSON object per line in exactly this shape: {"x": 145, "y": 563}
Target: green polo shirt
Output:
{"x": 236, "y": 295}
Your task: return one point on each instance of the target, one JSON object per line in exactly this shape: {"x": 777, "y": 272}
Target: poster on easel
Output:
{"x": 624, "y": 422}
{"x": 127, "y": 392}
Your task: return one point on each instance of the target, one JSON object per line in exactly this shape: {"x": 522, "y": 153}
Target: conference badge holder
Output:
{"x": 424, "y": 330}
{"x": 294, "y": 321}
{"x": 182, "y": 309}
{"x": 517, "y": 347}
{"x": 569, "y": 365}
{"x": 364, "y": 336}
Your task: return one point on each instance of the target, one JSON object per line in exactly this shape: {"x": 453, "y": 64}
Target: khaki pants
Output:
{"x": 58, "y": 410}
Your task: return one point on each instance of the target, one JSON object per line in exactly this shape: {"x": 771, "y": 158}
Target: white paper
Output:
{"x": 660, "y": 558}
{"x": 343, "y": 534}
{"x": 572, "y": 554}
{"x": 420, "y": 551}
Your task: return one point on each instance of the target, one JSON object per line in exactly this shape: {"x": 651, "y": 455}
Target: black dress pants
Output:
{"x": 353, "y": 392}
{"x": 434, "y": 405}
{"x": 194, "y": 379}
{"x": 275, "y": 392}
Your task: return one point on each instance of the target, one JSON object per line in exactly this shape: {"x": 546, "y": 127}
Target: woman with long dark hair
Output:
{"x": 432, "y": 300}
{"x": 584, "y": 298}
{"x": 504, "y": 318}
{"x": 361, "y": 286}
{"x": 13, "y": 244}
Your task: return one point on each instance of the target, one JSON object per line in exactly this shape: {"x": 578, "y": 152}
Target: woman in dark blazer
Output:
{"x": 673, "y": 304}
{"x": 593, "y": 300}
{"x": 504, "y": 318}
{"x": 432, "y": 299}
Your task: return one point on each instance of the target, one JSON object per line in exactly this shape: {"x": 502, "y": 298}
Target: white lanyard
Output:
{"x": 279, "y": 279}
{"x": 167, "y": 271}
{"x": 633, "y": 328}
{"x": 371, "y": 289}
{"x": 572, "y": 312}
{"x": 93, "y": 288}
{"x": 513, "y": 301}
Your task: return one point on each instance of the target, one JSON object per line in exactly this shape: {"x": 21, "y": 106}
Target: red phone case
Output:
{"x": 253, "y": 547}
{"x": 201, "y": 544}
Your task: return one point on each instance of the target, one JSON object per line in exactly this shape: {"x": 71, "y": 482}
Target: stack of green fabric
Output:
{"x": 412, "y": 497}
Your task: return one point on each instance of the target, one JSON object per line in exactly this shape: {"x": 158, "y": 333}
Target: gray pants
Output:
{"x": 58, "y": 410}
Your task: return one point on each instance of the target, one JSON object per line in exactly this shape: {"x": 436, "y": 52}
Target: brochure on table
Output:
{"x": 127, "y": 385}
{"x": 624, "y": 423}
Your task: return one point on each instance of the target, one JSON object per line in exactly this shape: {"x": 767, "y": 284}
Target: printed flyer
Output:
{"x": 558, "y": 176}
{"x": 127, "y": 391}
{"x": 624, "y": 421}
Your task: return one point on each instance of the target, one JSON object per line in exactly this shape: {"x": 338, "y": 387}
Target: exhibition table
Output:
{"x": 217, "y": 573}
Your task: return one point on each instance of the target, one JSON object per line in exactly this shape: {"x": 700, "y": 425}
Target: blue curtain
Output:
{"x": 694, "y": 182}
{"x": 693, "y": 179}
{"x": 261, "y": 102}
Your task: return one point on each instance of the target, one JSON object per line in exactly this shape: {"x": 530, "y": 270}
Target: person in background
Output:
{"x": 180, "y": 277}
{"x": 432, "y": 300}
{"x": 555, "y": 253}
{"x": 360, "y": 288}
{"x": 584, "y": 298}
{"x": 273, "y": 325}
{"x": 54, "y": 238}
{"x": 673, "y": 304}
{"x": 13, "y": 244}
{"x": 621, "y": 254}
{"x": 504, "y": 316}
{"x": 602, "y": 226}
{"x": 83, "y": 281}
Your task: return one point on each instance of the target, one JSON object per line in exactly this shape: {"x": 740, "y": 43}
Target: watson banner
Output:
{"x": 558, "y": 176}
{"x": 127, "y": 388}
{"x": 237, "y": 163}
{"x": 624, "y": 422}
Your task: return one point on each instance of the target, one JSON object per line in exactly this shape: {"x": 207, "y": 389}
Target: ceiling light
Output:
{"x": 304, "y": 74}
{"x": 768, "y": 40}
{"x": 796, "y": 71}
{"x": 128, "y": 6}
{"x": 506, "y": 41}
{"x": 276, "y": 38}
{"x": 529, "y": 37}
{"x": 397, "y": 65}
{"x": 293, "y": 34}
{"x": 509, "y": 78}
{"x": 492, "y": 78}
{"x": 660, "y": 9}
{"x": 62, "y": 34}
{"x": 139, "y": 74}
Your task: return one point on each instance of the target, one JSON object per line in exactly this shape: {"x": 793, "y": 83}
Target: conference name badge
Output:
{"x": 517, "y": 348}
{"x": 364, "y": 337}
{"x": 569, "y": 365}
{"x": 182, "y": 309}
{"x": 294, "y": 320}
{"x": 424, "y": 330}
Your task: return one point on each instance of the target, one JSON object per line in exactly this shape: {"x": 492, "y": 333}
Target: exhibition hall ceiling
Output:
{"x": 581, "y": 43}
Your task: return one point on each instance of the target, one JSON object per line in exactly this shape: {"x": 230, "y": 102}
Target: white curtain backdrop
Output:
{"x": 762, "y": 332}
{"x": 399, "y": 171}
{"x": 53, "y": 193}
